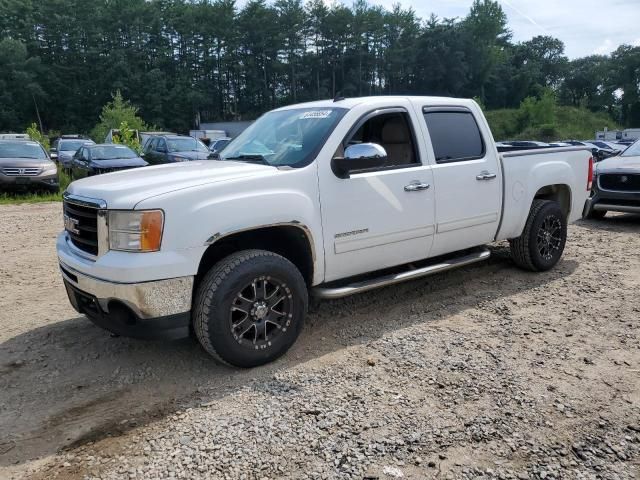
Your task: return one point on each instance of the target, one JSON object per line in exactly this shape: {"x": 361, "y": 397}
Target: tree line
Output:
{"x": 178, "y": 60}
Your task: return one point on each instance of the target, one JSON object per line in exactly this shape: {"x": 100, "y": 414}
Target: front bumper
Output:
{"x": 156, "y": 309}
{"x": 612, "y": 201}
{"x": 49, "y": 182}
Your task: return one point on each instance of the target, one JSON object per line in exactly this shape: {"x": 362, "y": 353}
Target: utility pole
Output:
{"x": 37, "y": 113}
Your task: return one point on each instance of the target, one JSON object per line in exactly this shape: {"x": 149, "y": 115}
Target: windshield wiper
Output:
{"x": 249, "y": 158}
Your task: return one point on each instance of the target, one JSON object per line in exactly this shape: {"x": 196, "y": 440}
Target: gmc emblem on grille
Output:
{"x": 70, "y": 224}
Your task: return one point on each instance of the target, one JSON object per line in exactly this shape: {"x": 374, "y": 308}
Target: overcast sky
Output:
{"x": 585, "y": 26}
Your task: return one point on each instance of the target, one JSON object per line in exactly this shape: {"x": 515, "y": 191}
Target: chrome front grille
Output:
{"x": 620, "y": 182}
{"x": 81, "y": 224}
{"x": 21, "y": 172}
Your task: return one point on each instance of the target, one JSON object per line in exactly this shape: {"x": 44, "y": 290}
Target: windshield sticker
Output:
{"x": 316, "y": 114}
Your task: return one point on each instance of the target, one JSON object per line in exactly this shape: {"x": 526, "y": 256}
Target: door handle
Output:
{"x": 484, "y": 175}
{"x": 416, "y": 187}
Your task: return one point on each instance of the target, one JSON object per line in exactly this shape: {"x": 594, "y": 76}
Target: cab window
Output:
{"x": 455, "y": 135}
{"x": 393, "y": 132}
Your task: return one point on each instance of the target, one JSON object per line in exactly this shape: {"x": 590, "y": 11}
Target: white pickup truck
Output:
{"x": 329, "y": 198}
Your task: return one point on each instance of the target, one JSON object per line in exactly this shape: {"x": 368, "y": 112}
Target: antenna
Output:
{"x": 338, "y": 97}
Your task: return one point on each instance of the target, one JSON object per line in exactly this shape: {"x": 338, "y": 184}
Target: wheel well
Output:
{"x": 557, "y": 193}
{"x": 290, "y": 241}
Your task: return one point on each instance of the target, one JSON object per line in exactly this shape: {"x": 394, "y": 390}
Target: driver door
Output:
{"x": 378, "y": 218}
{"x": 80, "y": 163}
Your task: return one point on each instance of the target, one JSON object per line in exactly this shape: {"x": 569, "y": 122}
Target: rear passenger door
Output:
{"x": 467, "y": 179}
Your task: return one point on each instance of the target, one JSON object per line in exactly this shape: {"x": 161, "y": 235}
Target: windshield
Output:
{"x": 72, "y": 145}
{"x": 21, "y": 150}
{"x": 112, "y": 152}
{"x": 632, "y": 151}
{"x": 285, "y": 137}
{"x": 185, "y": 145}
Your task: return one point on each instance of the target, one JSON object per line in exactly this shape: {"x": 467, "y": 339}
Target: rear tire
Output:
{"x": 250, "y": 308}
{"x": 542, "y": 242}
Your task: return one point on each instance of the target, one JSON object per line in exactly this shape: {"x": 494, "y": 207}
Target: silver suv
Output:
{"x": 25, "y": 165}
{"x": 66, "y": 147}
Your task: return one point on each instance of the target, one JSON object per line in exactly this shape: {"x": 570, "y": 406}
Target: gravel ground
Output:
{"x": 484, "y": 372}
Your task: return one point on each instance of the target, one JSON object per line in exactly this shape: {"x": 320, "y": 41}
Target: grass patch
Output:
{"x": 568, "y": 123}
{"x": 13, "y": 198}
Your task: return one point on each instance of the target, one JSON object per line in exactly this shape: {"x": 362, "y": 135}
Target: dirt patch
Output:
{"x": 483, "y": 371}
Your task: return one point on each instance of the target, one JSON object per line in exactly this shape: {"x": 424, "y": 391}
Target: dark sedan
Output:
{"x": 104, "y": 158}
{"x": 616, "y": 185}
{"x": 174, "y": 148}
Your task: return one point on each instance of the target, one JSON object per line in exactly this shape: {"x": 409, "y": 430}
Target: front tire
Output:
{"x": 542, "y": 242}
{"x": 249, "y": 308}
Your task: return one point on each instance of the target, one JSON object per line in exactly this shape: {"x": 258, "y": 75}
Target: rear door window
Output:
{"x": 455, "y": 135}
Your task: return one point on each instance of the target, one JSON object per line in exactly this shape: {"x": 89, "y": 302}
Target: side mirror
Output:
{"x": 362, "y": 156}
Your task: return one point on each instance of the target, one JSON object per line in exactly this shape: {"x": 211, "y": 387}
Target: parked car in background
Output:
{"x": 218, "y": 145}
{"x": 25, "y": 165}
{"x": 66, "y": 147}
{"x": 599, "y": 153}
{"x": 602, "y": 144}
{"x": 174, "y": 148}
{"x": 95, "y": 159}
{"x": 601, "y": 150}
{"x": 145, "y": 136}
{"x": 14, "y": 136}
{"x": 613, "y": 145}
{"x": 142, "y": 137}
{"x": 616, "y": 185}
{"x": 207, "y": 136}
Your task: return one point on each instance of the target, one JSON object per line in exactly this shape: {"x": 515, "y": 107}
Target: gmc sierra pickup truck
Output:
{"x": 328, "y": 198}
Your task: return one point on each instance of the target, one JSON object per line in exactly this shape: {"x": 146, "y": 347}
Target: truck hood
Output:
{"x": 617, "y": 164}
{"x": 125, "y": 189}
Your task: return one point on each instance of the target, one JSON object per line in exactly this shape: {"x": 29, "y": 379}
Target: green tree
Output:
{"x": 20, "y": 91}
{"x": 538, "y": 112}
{"x": 114, "y": 114}
{"x": 626, "y": 76}
{"x": 178, "y": 60}
{"x": 35, "y": 134}
{"x": 486, "y": 35}
{"x": 126, "y": 136}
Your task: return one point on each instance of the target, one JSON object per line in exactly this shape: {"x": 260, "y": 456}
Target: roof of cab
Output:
{"x": 350, "y": 103}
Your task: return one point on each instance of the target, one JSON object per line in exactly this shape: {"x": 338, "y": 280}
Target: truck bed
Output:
{"x": 525, "y": 172}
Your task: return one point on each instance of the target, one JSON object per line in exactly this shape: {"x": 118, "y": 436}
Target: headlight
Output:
{"x": 135, "y": 231}
{"x": 50, "y": 169}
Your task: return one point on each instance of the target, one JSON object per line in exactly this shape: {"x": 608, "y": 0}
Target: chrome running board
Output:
{"x": 363, "y": 286}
